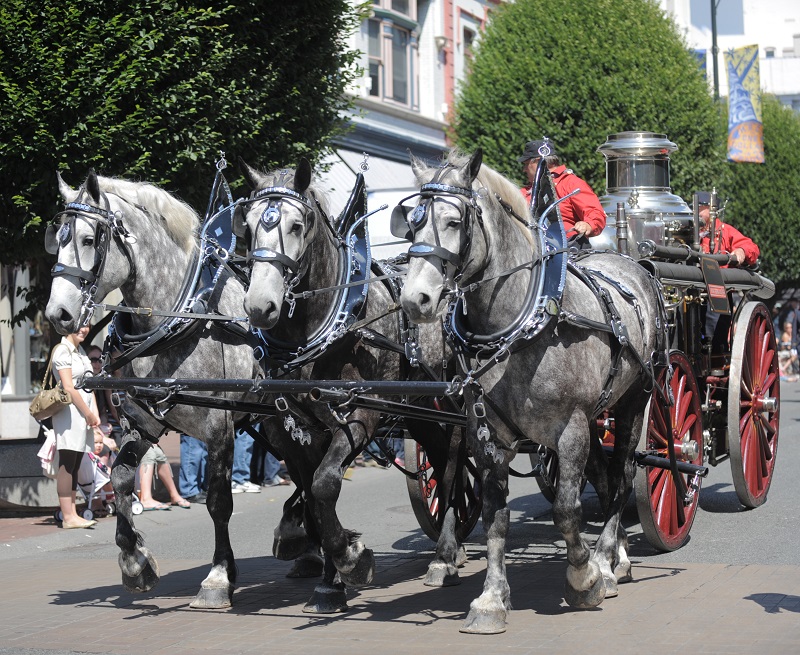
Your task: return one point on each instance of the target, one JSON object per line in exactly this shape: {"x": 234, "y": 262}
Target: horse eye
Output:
{"x": 296, "y": 228}
{"x": 88, "y": 241}
{"x": 456, "y": 222}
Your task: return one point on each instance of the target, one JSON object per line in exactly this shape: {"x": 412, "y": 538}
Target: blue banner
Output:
{"x": 745, "y": 128}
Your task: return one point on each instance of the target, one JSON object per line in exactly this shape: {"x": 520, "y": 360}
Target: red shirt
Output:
{"x": 728, "y": 239}
{"x": 584, "y": 206}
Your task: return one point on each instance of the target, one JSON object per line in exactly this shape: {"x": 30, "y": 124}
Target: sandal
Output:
{"x": 160, "y": 506}
{"x": 182, "y": 503}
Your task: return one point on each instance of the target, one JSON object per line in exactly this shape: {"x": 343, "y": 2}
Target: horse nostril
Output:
{"x": 424, "y": 300}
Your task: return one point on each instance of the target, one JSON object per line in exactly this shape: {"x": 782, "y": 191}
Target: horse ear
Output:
{"x": 302, "y": 175}
{"x": 474, "y": 165}
{"x": 251, "y": 175}
{"x": 93, "y": 186}
{"x": 417, "y": 166}
{"x": 67, "y": 192}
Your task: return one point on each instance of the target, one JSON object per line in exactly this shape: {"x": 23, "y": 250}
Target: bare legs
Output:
{"x": 165, "y": 475}
{"x": 66, "y": 481}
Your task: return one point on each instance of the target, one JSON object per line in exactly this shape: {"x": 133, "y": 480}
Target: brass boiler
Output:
{"x": 637, "y": 179}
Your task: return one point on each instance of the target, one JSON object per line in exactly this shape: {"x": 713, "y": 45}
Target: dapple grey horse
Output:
{"x": 293, "y": 247}
{"x": 549, "y": 389}
{"x": 136, "y": 237}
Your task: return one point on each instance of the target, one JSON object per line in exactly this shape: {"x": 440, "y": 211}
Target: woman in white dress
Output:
{"x": 74, "y": 425}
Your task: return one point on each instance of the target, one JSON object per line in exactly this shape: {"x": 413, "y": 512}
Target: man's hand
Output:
{"x": 583, "y": 228}
{"x": 739, "y": 256}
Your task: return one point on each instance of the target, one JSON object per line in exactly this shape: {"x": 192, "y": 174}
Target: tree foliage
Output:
{"x": 154, "y": 90}
{"x": 579, "y": 71}
{"x": 764, "y": 199}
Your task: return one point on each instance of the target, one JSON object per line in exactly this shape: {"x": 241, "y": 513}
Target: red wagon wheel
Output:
{"x": 665, "y": 516}
{"x": 425, "y": 501}
{"x": 753, "y": 404}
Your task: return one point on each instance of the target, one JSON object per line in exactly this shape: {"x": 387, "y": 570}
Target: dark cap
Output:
{"x": 703, "y": 198}
{"x": 536, "y": 149}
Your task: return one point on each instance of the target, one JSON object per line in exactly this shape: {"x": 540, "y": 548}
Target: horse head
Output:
{"x": 279, "y": 222}
{"x": 98, "y": 239}
{"x": 441, "y": 227}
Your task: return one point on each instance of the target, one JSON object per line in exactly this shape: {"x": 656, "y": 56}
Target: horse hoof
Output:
{"x": 612, "y": 591}
{"x": 362, "y": 572}
{"x": 327, "y": 599}
{"x": 213, "y": 598}
{"x": 589, "y": 598}
{"x": 306, "y": 566}
{"x": 289, "y": 548}
{"x": 623, "y": 574}
{"x": 441, "y": 575}
{"x": 461, "y": 556}
{"x": 140, "y": 573}
{"x": 482, "y": 622}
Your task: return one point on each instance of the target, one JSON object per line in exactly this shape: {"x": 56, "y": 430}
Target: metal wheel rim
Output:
{"x": 754, "y": 379}
{"x": 655, "y": 490}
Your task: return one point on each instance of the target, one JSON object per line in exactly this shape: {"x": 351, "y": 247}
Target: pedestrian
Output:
{"x": 155, "y": 463}
{"x": 582, "y": 214}
{"x": 242, "y": 456}
{"x": 265, "y": 468}
{"x": 73, "y": 425}
{"x": 192, "y": 480}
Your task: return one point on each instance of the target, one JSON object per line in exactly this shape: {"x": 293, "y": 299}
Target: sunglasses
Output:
{"x": 95, "y": 359}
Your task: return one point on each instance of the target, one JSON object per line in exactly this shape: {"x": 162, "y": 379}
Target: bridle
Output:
{"x": 406, "y": 223}
{"x": 292, "y": 270}
{"x": 108, "y": 226}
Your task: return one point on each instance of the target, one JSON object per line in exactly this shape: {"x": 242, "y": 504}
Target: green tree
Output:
{"x": 582, "y": 70}
{"x": 764, "y": 199}
{"x": 154, "y": 90}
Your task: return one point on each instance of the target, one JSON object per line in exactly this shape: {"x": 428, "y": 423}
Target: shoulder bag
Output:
{"x": 51, "y": 399}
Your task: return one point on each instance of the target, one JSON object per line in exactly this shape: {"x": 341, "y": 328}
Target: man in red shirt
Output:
{"x": 583, "y": 215}
{"x": 727, "y": 238}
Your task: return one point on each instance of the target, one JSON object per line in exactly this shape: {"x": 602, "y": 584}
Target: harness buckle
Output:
{"x": 281, "y": 404}
{"x": 479, "y": 409}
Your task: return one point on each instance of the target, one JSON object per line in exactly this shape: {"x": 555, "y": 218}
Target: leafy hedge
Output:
{"x": 579, "y": 71}
{"x": 154, "y": 90}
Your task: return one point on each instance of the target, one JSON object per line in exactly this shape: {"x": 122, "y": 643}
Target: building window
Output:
{"x": 389, "y": 53}
{"x": 404, "y": 7}
{"x": 400, "y": 6}
{"x": 400, "y": 54}
{"x": 374, "y": 51}
{"x": 468, "y": 39}
{"x": 769, "y": 53}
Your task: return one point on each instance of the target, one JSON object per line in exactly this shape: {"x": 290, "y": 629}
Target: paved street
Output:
{"x": 734, "y": 588}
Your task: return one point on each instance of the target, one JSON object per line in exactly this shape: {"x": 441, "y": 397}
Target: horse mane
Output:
{"x": 179, "y": 219}
{"x": 497, "y": 186}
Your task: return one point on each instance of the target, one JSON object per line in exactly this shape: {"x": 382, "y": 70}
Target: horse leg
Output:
{"x": 487, "y": 613}
{"x": 443, "y": 570}
{"x": 354, "y": 561}
{"x": 329, "y": 596}
{"x": 309, "y": 563}
{"x": 216, "y": 591}
{"x": 291, "y": 539}
{"x": 612, "y": 544}
{"x": 139, "y": 567}
{"x": 584, "y": 585}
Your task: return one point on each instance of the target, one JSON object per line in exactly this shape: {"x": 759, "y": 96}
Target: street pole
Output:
{"x": 714, "y": 48}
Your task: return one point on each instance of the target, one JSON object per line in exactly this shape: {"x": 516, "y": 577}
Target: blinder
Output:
{"x": 57, "y": 236}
